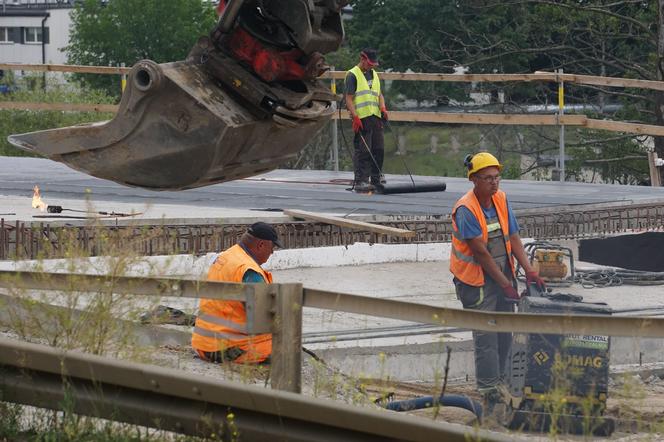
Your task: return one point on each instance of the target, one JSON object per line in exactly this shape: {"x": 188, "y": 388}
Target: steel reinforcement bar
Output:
{"x": 175, "y": 401}
{"x": 26, "y": 240}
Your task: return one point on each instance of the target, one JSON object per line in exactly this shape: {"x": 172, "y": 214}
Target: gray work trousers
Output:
{"x": 368, "y": 158}
{"x": 491, "y": 349}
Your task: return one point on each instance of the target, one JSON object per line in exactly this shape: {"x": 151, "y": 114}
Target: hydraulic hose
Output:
{"x": 448, "y": 400}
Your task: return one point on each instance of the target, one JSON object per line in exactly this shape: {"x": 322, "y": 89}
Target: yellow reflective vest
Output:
{"x": 366, "y": 100}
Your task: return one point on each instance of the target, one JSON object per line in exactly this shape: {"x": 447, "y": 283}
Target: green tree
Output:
{"x": 597, "y": 37}
{"x": 21, "y": 121}
{"x": 126, "y": 31}
{"x": 594, "y": 37}
{"x": 406, "y": 35}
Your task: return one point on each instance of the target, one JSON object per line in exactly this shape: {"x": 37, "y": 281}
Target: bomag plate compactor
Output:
{"x": 558, "y": 380}
{"x": 245, "y": 100}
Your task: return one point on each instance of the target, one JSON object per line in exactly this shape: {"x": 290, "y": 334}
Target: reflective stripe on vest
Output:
{"x": 366, "y": 100}
{"x": 467, "y": 270}
{"x": 463, "y": 257}
{"x": 242, "y": 328}
{"x": 218, "y": 335}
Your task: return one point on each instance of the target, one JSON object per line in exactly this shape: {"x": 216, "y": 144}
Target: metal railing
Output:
{"x": 25, "y": 240}
{"x": 173, "y": 401}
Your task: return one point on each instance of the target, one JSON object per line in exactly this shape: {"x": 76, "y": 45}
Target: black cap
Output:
{"x": 371, "y": 55}
{"x": 265, "y": 231}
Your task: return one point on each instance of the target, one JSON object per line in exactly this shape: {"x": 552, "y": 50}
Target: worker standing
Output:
{"x": 484, "y": 242}
{"x": 366, "y": 106}
{"x": 220, "y": 332}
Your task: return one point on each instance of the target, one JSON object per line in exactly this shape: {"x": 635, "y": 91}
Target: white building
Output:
{"x": 34, "y": 32}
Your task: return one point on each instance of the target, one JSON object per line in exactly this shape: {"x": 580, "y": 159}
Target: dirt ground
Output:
{"x": 636, "y": 404}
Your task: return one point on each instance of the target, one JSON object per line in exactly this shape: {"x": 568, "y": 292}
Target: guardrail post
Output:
{"x": 286, "y": 369}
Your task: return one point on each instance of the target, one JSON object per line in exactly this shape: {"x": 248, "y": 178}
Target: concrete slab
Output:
{"x": 368, "y": 346}
{"x": 317, "y": 191}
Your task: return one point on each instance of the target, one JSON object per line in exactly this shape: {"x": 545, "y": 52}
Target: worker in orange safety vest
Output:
{"x": 220, "y": 332}
{"x": 485, "y": 240}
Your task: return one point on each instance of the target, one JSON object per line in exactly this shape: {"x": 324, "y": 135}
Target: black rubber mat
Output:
{"x": 644, "y": 251}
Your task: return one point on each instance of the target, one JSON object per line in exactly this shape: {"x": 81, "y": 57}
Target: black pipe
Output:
{"x": 448, "y": 400}
{"x": 389, "y": 189}
{"x": 43, "y": 45}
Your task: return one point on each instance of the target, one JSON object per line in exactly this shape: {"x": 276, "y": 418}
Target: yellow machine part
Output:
{"x": 549, "y": 264}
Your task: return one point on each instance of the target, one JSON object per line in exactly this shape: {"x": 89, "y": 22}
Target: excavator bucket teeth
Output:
{"x": 188, "y": 124}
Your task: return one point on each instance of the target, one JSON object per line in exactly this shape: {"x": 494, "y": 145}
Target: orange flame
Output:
{"x": 37, "y": 202}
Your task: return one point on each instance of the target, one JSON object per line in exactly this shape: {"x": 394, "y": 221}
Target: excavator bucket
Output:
{"x": 177, "y": 129}
{"x": 244, "y": 101}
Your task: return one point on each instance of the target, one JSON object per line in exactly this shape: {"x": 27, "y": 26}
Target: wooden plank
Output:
{"x": 64, "y": 68}
{"x": 613, "y": 82}
{"x": 500, "y": 78}
{"x": 350, "y": 224}
{"x": 655, "y": 177}
{"x": 286, "y": 364}
{"x": 464, "y": 78}
{"x": 71, "y": 107}
{"x": 404, "y": 76}
{"x": 494, "y": 119}
{"x": 497, "y": 119}
{"x": 619, "y": 126}
{"x": 420, "y": 117}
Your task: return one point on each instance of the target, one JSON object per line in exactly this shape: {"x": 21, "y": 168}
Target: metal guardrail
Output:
{"x": 24, "y": 240}
{"x": 174, "y": 401}
{"x": 262, "y": 297}
{"x": 43, "y": 376}
{"x": 277, "y": 309}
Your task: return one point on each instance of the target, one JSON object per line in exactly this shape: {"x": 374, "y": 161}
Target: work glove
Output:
{"x": 357, "y": 124}
{"x": 510, "y": 293}
{"x": 384, "y": 115}
{"x": 534, "y": 278}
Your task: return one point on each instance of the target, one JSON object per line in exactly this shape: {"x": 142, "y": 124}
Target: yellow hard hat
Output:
{"x": 479, "y": 161}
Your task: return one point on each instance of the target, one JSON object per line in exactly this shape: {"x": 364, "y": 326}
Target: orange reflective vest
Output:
{"x": 223, "y": 324}
{"x": 462, "y": 262}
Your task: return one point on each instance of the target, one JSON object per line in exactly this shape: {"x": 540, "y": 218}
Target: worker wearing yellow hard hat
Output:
{"x": 479, "y": 161}
{"x": 485, "y": 242}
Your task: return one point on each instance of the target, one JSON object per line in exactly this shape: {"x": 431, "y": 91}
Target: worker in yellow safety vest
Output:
{"x": 485, "y": 240}
{"x": 220, "y": 332}
{"x": 366, "y": 106}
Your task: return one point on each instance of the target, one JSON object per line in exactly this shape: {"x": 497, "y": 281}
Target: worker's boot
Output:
{"x": 364, "y": 187}
{"x": 379, "y": 181}
{"x": 495, "y": 406}
{"x": 491, "y": 401}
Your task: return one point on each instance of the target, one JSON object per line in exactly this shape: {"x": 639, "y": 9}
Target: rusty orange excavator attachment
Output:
{"x": 205, "y": 120}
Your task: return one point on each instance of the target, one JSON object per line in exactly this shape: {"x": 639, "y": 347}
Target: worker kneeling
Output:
{"x": 220, "y": 332}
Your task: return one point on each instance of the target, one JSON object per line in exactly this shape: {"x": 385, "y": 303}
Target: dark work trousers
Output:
{"x": 365, "y": 167}
{"x": 491, "y": 349}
